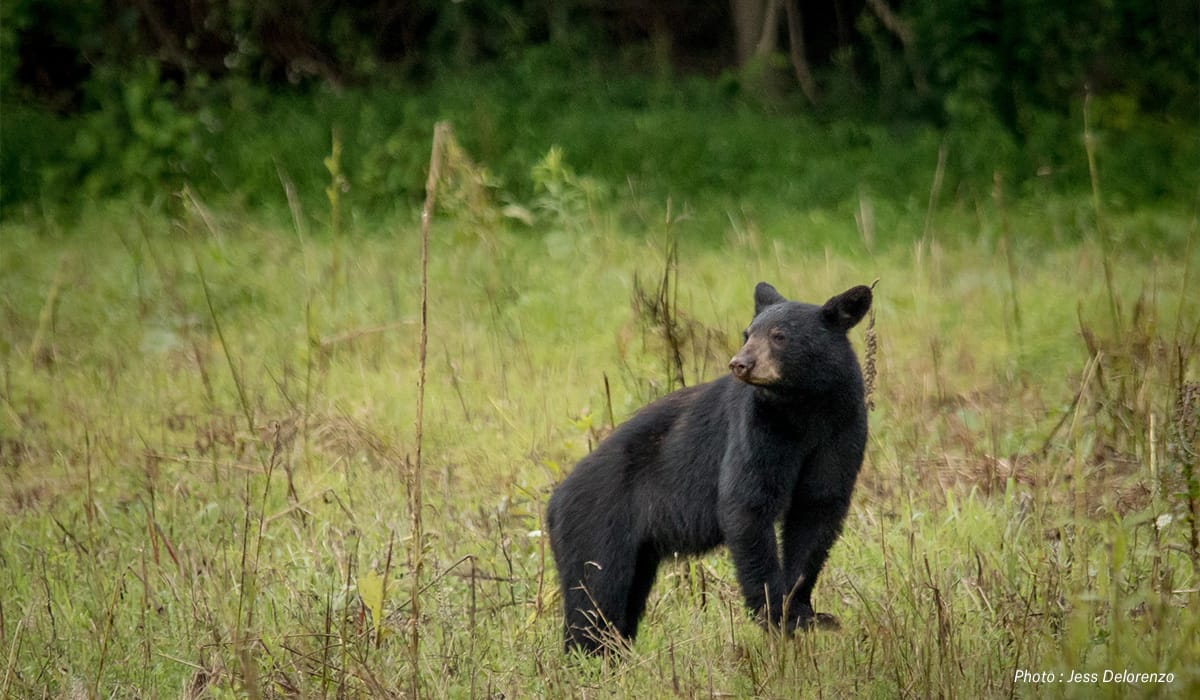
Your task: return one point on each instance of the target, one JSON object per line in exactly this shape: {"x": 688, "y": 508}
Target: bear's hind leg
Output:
{"x": 643, "y": 580}
{"x": 580, "y": 620}
{"x": 595, "y": 605}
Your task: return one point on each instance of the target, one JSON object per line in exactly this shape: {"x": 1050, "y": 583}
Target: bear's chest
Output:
{"x": 762, "y": 472}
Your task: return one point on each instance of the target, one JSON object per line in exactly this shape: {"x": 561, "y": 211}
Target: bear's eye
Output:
{"x": 777, "y": 335}
{"x": 745, "y": 335}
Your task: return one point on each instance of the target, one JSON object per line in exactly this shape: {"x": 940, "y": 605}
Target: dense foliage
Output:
{"x": 104, "y": 97}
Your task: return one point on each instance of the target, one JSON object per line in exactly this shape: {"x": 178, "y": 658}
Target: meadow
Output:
{"x": 210, "y": 454}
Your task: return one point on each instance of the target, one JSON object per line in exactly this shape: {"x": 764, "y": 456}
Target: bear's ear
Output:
{"x": 845, "y": 310}
{"x": 764, "y": 296}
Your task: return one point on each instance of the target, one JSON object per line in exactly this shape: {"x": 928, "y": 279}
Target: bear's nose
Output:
{"x": 741, "y": 366}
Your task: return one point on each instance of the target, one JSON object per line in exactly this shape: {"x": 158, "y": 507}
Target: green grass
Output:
{"x": 197, "y": 472}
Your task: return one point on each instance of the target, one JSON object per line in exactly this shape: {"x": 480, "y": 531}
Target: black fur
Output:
{"x": 781, "y": 438}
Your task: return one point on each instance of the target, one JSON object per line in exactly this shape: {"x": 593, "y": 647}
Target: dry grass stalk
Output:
{"x": 442, "y": 135}
{"x": 872, "y": 348}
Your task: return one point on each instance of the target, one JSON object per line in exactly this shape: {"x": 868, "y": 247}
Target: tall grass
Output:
{"x": 205, "y": 420}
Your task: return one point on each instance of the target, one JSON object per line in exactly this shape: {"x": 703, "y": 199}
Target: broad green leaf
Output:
{"x": 370, "y": 588}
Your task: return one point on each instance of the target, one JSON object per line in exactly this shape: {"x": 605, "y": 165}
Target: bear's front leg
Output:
{"x": 750, "y": 536}
{"x": 809, "y": 531}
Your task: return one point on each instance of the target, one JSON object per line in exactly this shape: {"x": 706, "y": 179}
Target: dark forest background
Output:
{"x": 137, "y": 97}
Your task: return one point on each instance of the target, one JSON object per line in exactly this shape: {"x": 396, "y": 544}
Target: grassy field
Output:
{"x": 207, "y": 449}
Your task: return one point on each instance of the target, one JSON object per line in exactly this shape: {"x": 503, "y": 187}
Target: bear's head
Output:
{"x": 796, "y": 348}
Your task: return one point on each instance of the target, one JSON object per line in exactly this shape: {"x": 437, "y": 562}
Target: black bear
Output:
{"x": 780, "y": 438}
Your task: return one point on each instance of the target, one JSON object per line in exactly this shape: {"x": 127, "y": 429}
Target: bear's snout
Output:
{"x": 755, "y": 364}
{"x": 741, "y": 366}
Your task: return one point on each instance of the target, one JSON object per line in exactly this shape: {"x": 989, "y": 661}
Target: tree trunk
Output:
{"x": 799, "y": 57}
{"x": 748, "y": 18}
{"x": 769, "y": 39}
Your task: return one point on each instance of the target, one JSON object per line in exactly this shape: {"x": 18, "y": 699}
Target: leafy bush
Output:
{"x": 139, "y": 138}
